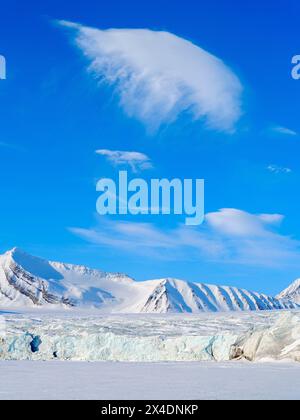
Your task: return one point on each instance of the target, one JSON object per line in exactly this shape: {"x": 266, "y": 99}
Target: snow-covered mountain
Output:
{"x": 30, "y": 281}
{"x": 291, "y": 293}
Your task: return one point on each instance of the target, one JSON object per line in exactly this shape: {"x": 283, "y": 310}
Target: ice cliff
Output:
{"x": 274, "y": 336}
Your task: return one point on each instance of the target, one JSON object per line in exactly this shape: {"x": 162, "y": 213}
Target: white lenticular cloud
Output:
{"x": 136, "y": 160}
{"x": 158, "y": 76}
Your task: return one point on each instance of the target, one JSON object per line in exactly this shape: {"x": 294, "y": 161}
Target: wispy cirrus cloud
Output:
{"x": 148, "y": 240}
{"x": 136, "y": 160}
{"x": 159, "y": 76}
{"x": 283, "y": 131}
{"x": 228, "y": 236}
{"x": 5, "y": 145}
{"x": 275, "y": 169}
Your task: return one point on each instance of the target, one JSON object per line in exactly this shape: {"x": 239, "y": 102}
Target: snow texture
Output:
{"x": 152, "y": 381}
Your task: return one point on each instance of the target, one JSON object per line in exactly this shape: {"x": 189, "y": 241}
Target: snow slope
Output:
{"x": 291, "y": 293}
{"x": 30, "y": 281}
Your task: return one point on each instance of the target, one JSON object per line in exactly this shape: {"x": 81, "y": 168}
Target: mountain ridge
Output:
{"x": 31, "y": 281}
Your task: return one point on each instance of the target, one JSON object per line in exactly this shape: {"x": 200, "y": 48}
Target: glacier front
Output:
{"x": 151, "y": 338}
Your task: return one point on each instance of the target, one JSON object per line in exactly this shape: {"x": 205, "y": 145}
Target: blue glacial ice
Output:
{"x": 210, "y": 337}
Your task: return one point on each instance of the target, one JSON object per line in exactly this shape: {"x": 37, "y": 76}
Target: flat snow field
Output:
{"x": 35, "y": 380}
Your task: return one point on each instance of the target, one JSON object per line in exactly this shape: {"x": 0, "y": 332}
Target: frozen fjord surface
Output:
{"x": 27, "y": 380}
{"x": 151, "y": 338}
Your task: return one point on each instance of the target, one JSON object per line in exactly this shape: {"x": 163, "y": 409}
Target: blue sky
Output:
{"x": 55, "y": 115}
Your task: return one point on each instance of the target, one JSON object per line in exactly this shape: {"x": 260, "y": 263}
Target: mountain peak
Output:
{"x": 292, "y": 292}
{"x": 36, "y": 266}
{"x": 18, "y": 254}
{"x": 16, "y": 251}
